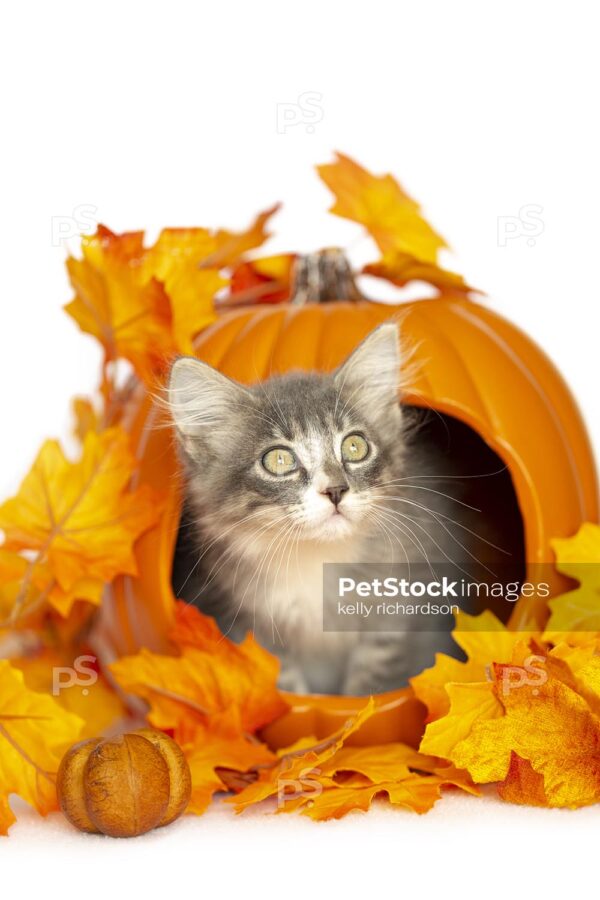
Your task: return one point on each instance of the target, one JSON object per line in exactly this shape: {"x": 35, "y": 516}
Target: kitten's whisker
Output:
{"x": 400, "y": 522}
{"x": 293, "y": 544}
{"x": 231, "y": 550}
{"x": 416, "y": 522}
{"x": 420, "y": 487}
{"x": 380, "y": 523}
{"x": 283, "y": 539}
{"x": 235, "y": 577}
{"x": 436, "y": 513}
{"x": 448, "y": 477}
{"x": 257, "y": 574}
{"x": 219, "y": 537}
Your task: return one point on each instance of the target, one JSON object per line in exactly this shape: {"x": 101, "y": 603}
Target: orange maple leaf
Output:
{"x": 264, "y": 280}
{"x": 297, "y": 763}
{"x": 330, "y": 778}
{"x": 78, "y": 520}
{"x": 210, "y": 676}
{"x": 231, "y": 246}
{"x": 215, "y": 750}
{"x": 35, "y": 731}
{"x": 212, "y": 697}
{"x": 128, "y": 312}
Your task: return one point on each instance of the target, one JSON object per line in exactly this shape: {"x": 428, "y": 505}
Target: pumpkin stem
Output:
{"x": 323, "y": 276}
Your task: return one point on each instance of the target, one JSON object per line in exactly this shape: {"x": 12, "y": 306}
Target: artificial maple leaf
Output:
{"x": 231, "y": 246}
{"x": 470, "y": 704}
{"x": 402, "y": 268}
{"x": 575, "y": 615}
{"x": 331, "y": 778}
{"x": 85, "y": 417}
{"x": 129, "y": 314}
{"x": 147, "y": 304}
{"x": 553, "y": 728}
{"x": 485, "y": 640}
{"x": 174, "y": 262}
{"x": 78, "y": 519}
{"x": 408, "y": 244}
{"x": 378, "y": 202}
{"x": 88, "y": 695}
{"x": 416, "y": 792}
{"x": 265, "y": 280}
{"x": 215, "y": 750}
{"x": 34, "y": 733}
{"x": 295, "y": 764}
{"x": 210, "y": 675}
{"x": 523, "y": 785}
{"x": 30, "y": 593}
{"x": 535, "y": 731}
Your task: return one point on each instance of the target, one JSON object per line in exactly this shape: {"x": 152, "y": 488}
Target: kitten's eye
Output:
{"x": 354, "y": 448}
{"x": 279, "y": 461}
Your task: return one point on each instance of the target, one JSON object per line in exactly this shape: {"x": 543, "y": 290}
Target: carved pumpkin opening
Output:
{"x": 485, "y": 483}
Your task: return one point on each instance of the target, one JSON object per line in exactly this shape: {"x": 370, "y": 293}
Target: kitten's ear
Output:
{"x": 374, "y": 368}
{"x": 200, "y": 399}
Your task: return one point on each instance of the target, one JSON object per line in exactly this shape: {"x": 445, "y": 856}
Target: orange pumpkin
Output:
{"x": 471, "y": 364}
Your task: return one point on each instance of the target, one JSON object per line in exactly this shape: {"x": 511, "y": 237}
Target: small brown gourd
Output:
{"x": 124, "y": 786}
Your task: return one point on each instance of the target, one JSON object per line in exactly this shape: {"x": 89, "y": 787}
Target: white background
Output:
{"x": 152, "y": 114}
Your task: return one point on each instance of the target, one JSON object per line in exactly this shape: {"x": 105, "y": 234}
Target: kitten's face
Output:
{"x": 299, "y": 456}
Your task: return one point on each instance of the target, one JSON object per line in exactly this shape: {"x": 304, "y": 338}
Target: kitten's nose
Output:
{"x": 336, "y": 493}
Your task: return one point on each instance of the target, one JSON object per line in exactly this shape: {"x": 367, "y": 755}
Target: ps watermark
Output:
{"x": 83, "y": 220}
{"x": 80, "y": 673}
{"x": 527, "y": 224}
{"x": 306, "y": 111}
{"x": 531, "y": 674}
{"x": 295, "y": 788}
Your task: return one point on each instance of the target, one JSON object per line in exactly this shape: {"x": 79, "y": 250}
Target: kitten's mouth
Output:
{"x": 336, "y": 525}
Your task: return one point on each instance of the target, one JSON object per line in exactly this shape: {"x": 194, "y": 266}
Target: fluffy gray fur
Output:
{"x": 260, "y": 540}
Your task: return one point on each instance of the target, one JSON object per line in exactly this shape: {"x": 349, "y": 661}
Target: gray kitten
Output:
{"x": 301, "y": 470}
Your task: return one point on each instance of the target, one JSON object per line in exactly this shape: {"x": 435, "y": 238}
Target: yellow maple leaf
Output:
{"x": 470, "y": 704}
{"x": 402, "y": 268}
{"x": 409, "y": 245}
{"x": 575, "y": 615}
{"x": 385, "y": 209}
{"x": 174, "y": 262}
{"x": 553, "y": 728}
{"x": 78, "y": 520}
{"x": 35, "y": 731}
{"x": 485, "y": 640}
{"x": 90, "y": 698}
{"x": 416, "y": 792}
{"x": 85, "y": 417}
